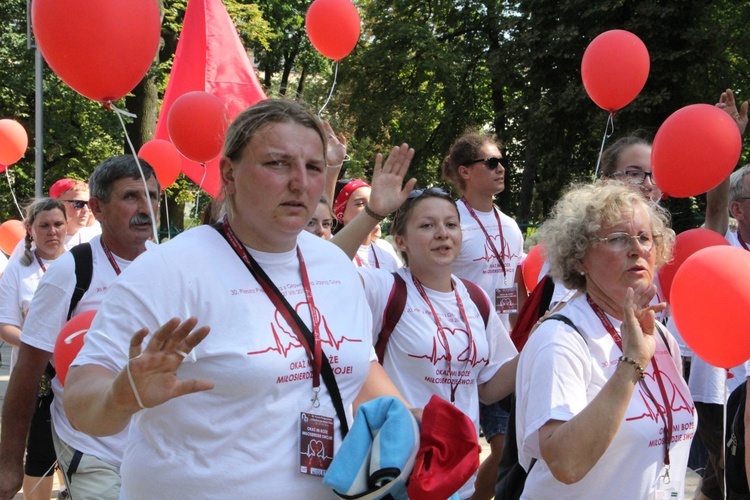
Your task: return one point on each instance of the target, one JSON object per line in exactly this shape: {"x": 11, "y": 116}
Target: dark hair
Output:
{"x": 614, "y": 150}
{"x": 462, "y": 152}
{"x": 31, "y": 211}
{"x": 115, "y": 168}
{"x": 401, "y": 217}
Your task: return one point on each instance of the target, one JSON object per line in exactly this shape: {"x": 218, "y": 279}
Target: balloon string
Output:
{"x": 120, "y": 113}
{"x": 166, "y": 212}
{"x": 333, "y": 86}
{"x": 724, "y": 421}
{"x": 200, "y": 186}
{"x": 608, "y": 131}
{"x": 10, "y": 185}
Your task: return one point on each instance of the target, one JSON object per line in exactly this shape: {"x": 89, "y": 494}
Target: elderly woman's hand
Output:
{"x": 639, "y": 322}
{"x": 153, "y": 372}
{"x": 728, "y": 104}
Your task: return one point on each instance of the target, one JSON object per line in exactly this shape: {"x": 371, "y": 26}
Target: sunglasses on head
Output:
{"x": 77, "y": 204}
{"x": 492, "y": 162}
{"x": 433, "y": 191}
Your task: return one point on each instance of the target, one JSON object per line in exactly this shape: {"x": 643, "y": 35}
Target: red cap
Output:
{"x": 448, "y": 452}
{"x": 59, "y": 187}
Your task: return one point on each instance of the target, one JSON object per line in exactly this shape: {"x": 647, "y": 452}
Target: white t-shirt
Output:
{"x": 84, "y": 235}
{"x": 415, "y": 356}
{"x": 17, "y": 287}
{"x": 241, "y": 438}
{"x": 712, "y": 384}
{"x": 477, "y": 261}
{"x": 559, "y": 374}
{"x": 376, "y": 257}
{"x": 386, "y": 245}
{"x": 47, "y": 315}
{"x": 3, "y": 262}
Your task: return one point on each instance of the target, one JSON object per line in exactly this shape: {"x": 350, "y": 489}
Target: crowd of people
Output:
{"x": 210, "y": 354}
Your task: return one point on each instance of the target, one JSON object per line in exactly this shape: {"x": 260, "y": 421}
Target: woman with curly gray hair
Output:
{"x": 602, "y": 408}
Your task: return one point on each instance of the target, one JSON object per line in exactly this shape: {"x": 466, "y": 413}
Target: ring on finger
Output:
{"x": 181, "y": 353}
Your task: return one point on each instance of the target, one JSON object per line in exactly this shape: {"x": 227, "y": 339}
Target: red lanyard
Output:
{"x": 667, "y": 407}
{"x": 315, "y": 354}
{"x": 41, "y": 264}
{"x": 742, "y": 242}
{"x": 441, "y": 331}
{"x": 498, "y": 255}
{"x": 374, "y": 254}
{"x": 110, "y": 257}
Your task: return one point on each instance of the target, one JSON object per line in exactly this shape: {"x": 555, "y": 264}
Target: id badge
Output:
{"x": 665, "y": 488}
{"x": 315, "y": 443}
{"x": 506, "y": 299}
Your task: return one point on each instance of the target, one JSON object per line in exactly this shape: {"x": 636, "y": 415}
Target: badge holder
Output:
{"x": 316, "y": 435}
{"x": 664, "y": 487}
{"x": 506, "y": 299}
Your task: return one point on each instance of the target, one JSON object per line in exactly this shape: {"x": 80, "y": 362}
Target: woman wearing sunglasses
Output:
{"x": 440, "y": 344}
{"x": 491, "y": 253}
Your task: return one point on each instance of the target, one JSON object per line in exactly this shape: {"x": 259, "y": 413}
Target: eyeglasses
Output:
{"x": 433, "y": 191}
{"x": 77, "y": 204}
{"x": 635, "y": 176}
{"x": 621, "y": 241}
{"x": 492, "y": 162}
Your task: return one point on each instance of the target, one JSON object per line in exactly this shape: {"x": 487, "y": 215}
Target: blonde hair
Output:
{"x": 581, "y": 213}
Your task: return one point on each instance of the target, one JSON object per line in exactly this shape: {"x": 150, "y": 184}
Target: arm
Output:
{"x": 20, "y": 402}
{"x": 335, "y": 156}
{"x": 10, "y": 334}
{"x": 502, "y": 383}
{"x": 572, "y": 448}
{"x": 100, "y": 402}
{"x": 386, "y": 196}
{"x": 377, "y": 384}
{"x": 717, "y": 199}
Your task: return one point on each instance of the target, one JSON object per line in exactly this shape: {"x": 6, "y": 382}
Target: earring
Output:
{"x": 583, "y": 273}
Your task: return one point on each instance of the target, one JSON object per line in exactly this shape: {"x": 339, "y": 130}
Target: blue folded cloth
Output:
{"x": 378, "y": 454}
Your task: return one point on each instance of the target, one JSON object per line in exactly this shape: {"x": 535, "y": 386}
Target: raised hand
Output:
{"x": 728, "y": 104}
{"x": 638, "y": 324}
{"x": 387, "y": 180}
{"x": 153, "y": 371}
{"x": 335, "y": 147}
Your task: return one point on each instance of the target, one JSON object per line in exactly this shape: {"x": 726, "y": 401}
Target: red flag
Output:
{"x": 210, "y": 57}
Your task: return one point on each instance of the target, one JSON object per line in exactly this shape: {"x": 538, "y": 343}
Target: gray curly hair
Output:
{"x": 581, "y": 213}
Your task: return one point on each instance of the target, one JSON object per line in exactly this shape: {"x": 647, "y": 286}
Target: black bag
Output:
{"x": 511, "y": 476}
{"x": 734, "y": 454}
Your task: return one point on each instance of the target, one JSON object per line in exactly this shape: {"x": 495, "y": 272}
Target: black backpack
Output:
{"x": 734, "y": 454}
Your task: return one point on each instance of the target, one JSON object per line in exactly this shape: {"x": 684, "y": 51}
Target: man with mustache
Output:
{"x": 91, "y": 465}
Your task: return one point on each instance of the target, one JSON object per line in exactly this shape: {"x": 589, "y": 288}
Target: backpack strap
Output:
{"x": 396, "y": 303}
{"x": 84, "y": 264}
{"x": 479, "y": 298}
{"x": 394, "y": 308}
{"x": 567, "y": 321}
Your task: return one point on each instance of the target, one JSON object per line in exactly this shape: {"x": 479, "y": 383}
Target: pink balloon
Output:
{"x": 164, "y": 158}
{"x": 710, "y": 299}
{"x": 197, "y": 123}
{"x": 695, "y": 149}
{"x": 686, "y": 244}
{"x": 614, "y": 69}
{"x": 13, "y": 142}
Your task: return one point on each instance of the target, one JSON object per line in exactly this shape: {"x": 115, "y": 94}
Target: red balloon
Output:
{"x": 532, "y": 266}
{"x": 197, "y": 123}
{"x": 710, "y": 300}
{"x": 69, "y": 342}
{"x": 165, "y": 160}
{"x": 101, "y": 48}
{"x": 13, "y": 142}
{"x": 686, "y": 244}
{"x": 333, "y": 27}
{"x": 614, "y": 69}
{"x": 11, "y": 232}
{"x": 694, "y": 150}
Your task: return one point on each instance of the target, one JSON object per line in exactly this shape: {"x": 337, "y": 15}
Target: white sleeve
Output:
{"x": 378, "y": 284}
{"x": 10, "y": 310}
{"x": 48, "y": 311}
{"x": 501, "y": 347}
